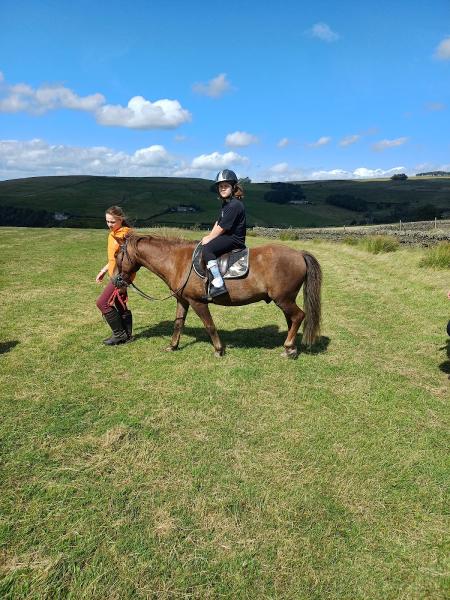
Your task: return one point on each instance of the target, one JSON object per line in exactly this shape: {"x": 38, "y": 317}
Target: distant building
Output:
{"x": 299, "y": 202}
{"x": 184, "y": 208}
{"x": 58, "y": 216}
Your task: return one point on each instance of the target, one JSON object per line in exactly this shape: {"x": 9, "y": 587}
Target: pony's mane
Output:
{"x": 133, "y": 240}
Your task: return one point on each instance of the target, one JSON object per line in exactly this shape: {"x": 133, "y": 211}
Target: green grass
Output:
{"x": 380, "y": 243}
{"x": 437, "y": 257}
{"x": 351, "y": 240}
{"x": 131, "y": 473}
{"x": 288, "y": 235}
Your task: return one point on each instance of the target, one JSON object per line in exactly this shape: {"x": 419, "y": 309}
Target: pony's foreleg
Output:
{"x": 294, "y": 317}
{"x": 203, "y": 312}
{"x": 182, "y": 308}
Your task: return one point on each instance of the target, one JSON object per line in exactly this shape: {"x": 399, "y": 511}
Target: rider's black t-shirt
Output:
{"x": 232, "y": 219}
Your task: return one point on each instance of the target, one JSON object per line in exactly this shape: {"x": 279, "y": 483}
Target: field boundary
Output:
{"x": 418, "y": 233}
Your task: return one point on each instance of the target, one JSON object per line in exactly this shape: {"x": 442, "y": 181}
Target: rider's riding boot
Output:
{"x": 216, "y": 285}
{"x": 119, "y": 335}
{"x": 127, "y": 320}
{"x": 217, "y": 291}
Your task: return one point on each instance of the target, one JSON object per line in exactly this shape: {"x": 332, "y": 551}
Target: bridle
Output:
{"x": 119, "y": 281}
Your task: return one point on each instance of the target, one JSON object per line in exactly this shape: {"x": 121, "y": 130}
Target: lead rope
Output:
{"x": 171, "y": 295}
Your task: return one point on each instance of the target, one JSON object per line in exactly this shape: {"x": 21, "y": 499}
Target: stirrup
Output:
{"x": 215, "y": 291}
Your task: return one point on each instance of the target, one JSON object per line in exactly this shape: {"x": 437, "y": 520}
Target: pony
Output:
{"x": 276, "y": 273}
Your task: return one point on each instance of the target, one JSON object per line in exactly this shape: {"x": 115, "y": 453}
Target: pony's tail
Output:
{"x": 311, "y": 299}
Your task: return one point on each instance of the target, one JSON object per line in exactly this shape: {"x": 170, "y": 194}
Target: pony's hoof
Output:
{"x": 290, "y": 353}
{"x": 171, "y": 348}
{"x": 219, "y": 353}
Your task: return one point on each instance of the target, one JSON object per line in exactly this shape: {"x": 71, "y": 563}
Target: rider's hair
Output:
{"x": 116, "y": 211}
{"x": 238, "y": 191}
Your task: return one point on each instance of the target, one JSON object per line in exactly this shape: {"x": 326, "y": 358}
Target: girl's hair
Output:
{"x": 238, "y": 191}
{"x": 116, "y": 211}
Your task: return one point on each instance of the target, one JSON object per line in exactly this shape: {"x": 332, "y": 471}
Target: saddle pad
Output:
{"x": 232, "y": 264}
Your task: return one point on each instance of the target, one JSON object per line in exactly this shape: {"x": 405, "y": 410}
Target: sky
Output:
{"x": 283, "y": 91}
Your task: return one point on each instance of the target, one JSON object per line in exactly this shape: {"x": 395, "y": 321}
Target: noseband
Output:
{"x": 118, "y": 280}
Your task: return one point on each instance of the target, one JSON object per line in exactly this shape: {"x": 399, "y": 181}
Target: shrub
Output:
{"x": 347, "y": 201}
{"x": 288, "y": 235}
{"x": 282, "y": 193}
{"x": 351, "y": 240}
{"x": 427, "y": 212}
{"x": 380, "y": 243}
{"x": 437, "y": 257}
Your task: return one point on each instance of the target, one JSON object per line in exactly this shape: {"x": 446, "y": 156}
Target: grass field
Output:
{"x": 131, "y": 473}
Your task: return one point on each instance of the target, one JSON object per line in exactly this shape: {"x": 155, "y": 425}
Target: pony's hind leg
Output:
{"x": 294, "y": 317}
{"x": 182, "y": 308}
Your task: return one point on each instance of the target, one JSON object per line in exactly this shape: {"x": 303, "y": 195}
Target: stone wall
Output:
{"x": 420, "y": 233}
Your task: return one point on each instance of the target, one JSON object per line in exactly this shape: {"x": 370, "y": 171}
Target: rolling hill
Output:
{"x": 80, "y": 201}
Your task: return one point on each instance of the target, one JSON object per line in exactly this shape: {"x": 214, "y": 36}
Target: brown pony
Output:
{"x": 276, "y": 273}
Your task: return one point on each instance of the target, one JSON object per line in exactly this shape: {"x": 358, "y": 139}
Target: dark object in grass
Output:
{"x": 448, "y": 329}
{"x": 276, "y": 274}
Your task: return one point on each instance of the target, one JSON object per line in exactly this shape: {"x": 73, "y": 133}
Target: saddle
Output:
{"x": 232, "y": 265}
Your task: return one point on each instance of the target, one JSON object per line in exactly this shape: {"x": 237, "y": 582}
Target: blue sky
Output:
{"x": 288, "y": 91}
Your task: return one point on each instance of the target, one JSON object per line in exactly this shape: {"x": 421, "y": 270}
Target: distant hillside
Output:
{"x": 80, "y": 201}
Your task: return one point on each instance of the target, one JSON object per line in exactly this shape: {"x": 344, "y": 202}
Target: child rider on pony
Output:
{"x": 228, "y": 232}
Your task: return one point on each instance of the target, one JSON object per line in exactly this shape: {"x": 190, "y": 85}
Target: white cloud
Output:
{"x": 283, "y": 142}
{"x": 435, "y": 106}
{"x": 323, "y": 32}
{"x": 151, "y": 156}
{"x": 442, "y": 52}
{"x": 425, "y": 167}
{"x": 332, "y": 174}
{"x": 22, "y": 97}
{"x": 282, "y": 172}
{"x": 143, "y": 114}
{"x": 280, "y": 168}
{"x": 214, "y": 88}
{"x": 365, "y": 173}
{"x": 349, "y": 140}
{"x": 322, "y": 141}
{"x": 37, "y": 157}
{"x": 215, "y": 160}
{"x": 384, "y": 144}
{"x": 240, "y": 139}
{"x": 139, "y": 114}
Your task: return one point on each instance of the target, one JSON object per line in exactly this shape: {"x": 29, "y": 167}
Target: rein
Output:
{"x": 120, "y": 282}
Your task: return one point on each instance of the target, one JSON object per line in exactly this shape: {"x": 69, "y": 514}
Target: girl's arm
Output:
{"x": 215, "y": 232}
{"x": 101, "y": 273}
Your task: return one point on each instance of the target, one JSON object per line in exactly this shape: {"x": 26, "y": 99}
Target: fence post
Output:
{"x": 400, "y": 224}
{"x": 435, "y": 222}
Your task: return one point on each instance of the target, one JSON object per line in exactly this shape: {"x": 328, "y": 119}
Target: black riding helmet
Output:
{"x": 226, "y": 175}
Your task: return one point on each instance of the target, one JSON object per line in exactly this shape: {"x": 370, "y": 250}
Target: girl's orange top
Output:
{"x": 113, "y": 249}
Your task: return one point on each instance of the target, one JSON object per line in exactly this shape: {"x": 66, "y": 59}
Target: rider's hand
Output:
{"x": 206, "y": 240}
{"x": 448, "y": 295}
